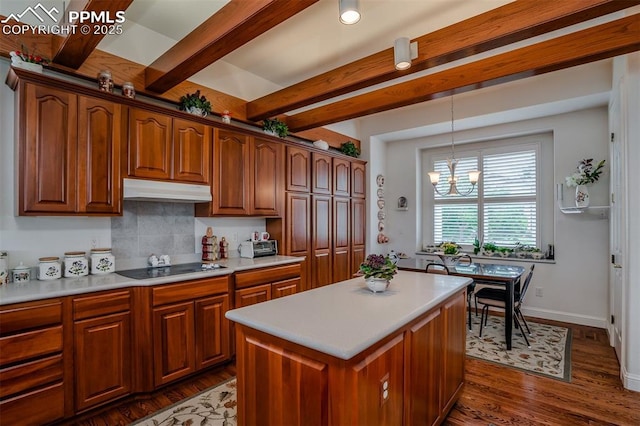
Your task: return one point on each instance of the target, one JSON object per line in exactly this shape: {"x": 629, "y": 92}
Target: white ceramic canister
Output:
{"x": 102, "y": 261}
{"x": 49, "y": 268}
{"x": 75, "y": 264}
{"x": 21, "y": 273}
{"x": 4, "y": 268}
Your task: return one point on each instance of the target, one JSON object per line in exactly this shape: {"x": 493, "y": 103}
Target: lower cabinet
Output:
{"x": 102, "y": 343}
{"x": 190, "y": 331}
{"x": 260, "y": 285}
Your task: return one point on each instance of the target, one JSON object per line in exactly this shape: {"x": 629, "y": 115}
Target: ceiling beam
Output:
{"x": 498, "y": 27}
{"x": 75, "y": 48}
{"x": 603, "y": 41}
{"x": 237, "y": 23}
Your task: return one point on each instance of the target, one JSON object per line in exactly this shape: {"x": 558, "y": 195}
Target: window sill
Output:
{"x": 485, "y": 258}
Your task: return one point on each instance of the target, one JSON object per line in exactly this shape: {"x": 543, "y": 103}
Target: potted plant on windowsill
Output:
{"x": 275, "y": 127}
{"x": 195, "y": 104}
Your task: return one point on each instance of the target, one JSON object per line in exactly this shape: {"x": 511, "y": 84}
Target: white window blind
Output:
{"x": 503, "y": 204}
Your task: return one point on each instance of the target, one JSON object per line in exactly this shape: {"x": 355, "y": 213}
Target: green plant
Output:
{"x": 450, "y": 248}
{"x": 350, "y": 149}
{"x": 275, "y": 126}
{"x": 378, "y": 266}
{"x": 490, "y": 247}
{"x": 194, "y": 100}
{"x": 585, "y": 173}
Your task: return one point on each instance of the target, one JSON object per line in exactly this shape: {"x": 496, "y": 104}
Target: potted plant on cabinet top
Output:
{"x": 350, "y": 149}
{"x": 195, "y": 104}
{"x": 275, "y": 127}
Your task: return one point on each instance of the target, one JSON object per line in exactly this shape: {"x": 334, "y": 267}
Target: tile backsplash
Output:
{"x": 153, "y": 227}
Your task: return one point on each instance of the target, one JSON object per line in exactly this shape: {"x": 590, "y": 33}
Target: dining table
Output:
{"x": 482, "y": 273}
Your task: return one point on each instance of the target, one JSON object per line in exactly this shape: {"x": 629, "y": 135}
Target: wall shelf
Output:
{"x": 596, "y": 210}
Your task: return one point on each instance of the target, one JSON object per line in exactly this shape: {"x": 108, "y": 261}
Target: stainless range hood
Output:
{"x": 152, "y": 190}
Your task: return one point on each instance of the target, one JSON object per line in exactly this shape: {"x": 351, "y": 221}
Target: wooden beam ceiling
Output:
{"x": 498, "y": 27}
{"x": 237, "y": 23}
{"x": 603, "y": 41}
{"x": 74, "y": 49}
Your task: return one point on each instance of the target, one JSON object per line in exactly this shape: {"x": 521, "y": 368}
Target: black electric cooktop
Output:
{"x": 165, "y": 271}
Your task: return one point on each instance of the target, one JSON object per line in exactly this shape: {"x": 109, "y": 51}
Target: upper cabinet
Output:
{"x": 166, "y": 148}
{"x": 358, "y": 179}
{"x": 248, "y": 176}
{"x": 341, "y": 177}
{"x": 321, "y": 169}
{"x": 69, "y": 152}
{"x": 298, "y": 169}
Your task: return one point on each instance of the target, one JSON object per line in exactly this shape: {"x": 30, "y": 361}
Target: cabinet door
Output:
{"x": 252, "y": 295}
{"x": 341, "y": 239}
{"x": 212, "y": 331}
{"x": 341, "y": 177}
{"x": 358, "y": 180}
{"x": 150, "y": 145}
{"x": 358, "y": 233}
{"x": 267, "y": 176}
{"x": 298, "y": 224}
{"x": 191, "y": 151}
{"x": 285, "y": 288}
{"x": 298, "y": 171}
{"x": 424, "y": 370}
{"x": 102, "y": 359}
{"x": 231, "y": 173}
{"x": 48, "y": 151}
{"x": 454, "y": 344}
{"x": 321, "y": 262}
{"x": 99, "y": 189}
{"x": 321, "y": 173}
{"x": 173, "y": 342}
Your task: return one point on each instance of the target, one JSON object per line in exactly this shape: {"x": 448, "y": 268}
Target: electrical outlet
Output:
{"x": 384, "y": 389}
{"x": 538, "y": 291}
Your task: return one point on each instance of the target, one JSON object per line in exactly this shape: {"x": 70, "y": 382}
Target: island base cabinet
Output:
{"x": 411, "y": 377}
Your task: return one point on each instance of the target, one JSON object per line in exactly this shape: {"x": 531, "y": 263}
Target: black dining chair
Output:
{"x": 471, "y": 288}
{"x": 494, "y": 297}
{"x": 439, "y": 268}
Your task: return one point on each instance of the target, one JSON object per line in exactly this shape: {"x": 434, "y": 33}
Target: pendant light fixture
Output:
{"x": 474, "y": 175}
{"x": 349, "y": 11}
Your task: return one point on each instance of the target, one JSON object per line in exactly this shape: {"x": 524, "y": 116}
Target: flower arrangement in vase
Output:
{"x": 378, "y": 270}
{"x": 195, "y": 104}
{"x": 585, "y": 174}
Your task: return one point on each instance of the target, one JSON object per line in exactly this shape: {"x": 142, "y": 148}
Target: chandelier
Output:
{"x": 474, "y": 175}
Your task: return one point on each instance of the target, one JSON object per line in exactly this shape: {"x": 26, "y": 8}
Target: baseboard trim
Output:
{"x": 630, "y": 381}
{"x": 565, "y": 317}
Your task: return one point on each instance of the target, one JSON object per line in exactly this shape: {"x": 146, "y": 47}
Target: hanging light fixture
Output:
{"x": 349, "y": 11}
{"x": 474, "y": 175}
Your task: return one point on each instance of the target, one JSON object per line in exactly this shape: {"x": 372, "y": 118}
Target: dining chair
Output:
{"x": 439, "y": 268}
{"x": 494, "y": 297}
{"x": 471, "y": 288}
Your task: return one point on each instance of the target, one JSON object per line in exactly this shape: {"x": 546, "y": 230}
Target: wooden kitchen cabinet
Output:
{"x": 32, "y": 364}
{"x": 191, "y": 151}
{"x": 321, "y": 241}
{"x": 190, "y": 331}
{"x": 102, "y": 343}
{"x": 358, "y": 232}
{"x": 342, "y": 269}
{"x": 321, "y": 173}
{"x": 248, "y": 177}
{"x": 358, "y": 180}
{"x": 69, "y": 153}
{"x": 454, "y": 344}
{"x": 259, "y": 285}
{"x": 298, "y": 169}
{"x": 341, "y": 177}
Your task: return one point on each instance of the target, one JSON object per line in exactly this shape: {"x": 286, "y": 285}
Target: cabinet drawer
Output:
{"x": 267, "y": 275}
{"x": 103, "y": 304}
{"x": 24, "y": 317}
{"x": 189, "y": 290}
{"x": 39, "y": 407}
{"x": 30, "y": 375}
{"x": 22, "y": 346}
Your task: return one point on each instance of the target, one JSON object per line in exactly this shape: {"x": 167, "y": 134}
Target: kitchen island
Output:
{"x": 341, "y": 354}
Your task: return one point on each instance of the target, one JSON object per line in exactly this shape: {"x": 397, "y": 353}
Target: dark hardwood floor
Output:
{"x": 492, "y": 394}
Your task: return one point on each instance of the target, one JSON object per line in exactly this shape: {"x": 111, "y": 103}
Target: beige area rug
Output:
{"x": 549, "y": 355}
{"x": 215, "y": 406}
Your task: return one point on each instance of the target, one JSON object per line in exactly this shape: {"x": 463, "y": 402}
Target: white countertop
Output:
{"x": 38, "y": 290}
{"x": 345, "y": 318}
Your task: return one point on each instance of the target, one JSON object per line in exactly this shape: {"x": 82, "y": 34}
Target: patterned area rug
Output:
{"x": 549, "y": 355}
{"x": 215, "y": 406}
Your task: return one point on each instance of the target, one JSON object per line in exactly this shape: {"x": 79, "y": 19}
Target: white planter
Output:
{"x": 582, "y": 196}
{"x": 196, "y": 111}
{"x": 377, "y": 285}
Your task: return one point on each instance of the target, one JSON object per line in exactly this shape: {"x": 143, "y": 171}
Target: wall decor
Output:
{"x": 403, "y": 203}
{"x": 382, "y": 238}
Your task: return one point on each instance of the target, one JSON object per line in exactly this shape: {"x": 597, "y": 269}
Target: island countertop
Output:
{"x": 345, "y": 318}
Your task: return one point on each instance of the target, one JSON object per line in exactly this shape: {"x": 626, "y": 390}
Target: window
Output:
{"x": 505, "y": 203}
